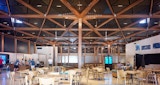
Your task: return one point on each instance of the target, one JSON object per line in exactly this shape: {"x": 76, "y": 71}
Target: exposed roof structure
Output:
{"x": 103, "y": 21}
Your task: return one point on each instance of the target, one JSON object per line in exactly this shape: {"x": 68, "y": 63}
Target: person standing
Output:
{"x": 1, "y": 64}
{"x": 38, "y": 63}
{"x": 23, "y": 62}
{"x": 16, "y": 65}
{"x": 50, "y": 62}
{"x": 32, "y": 64}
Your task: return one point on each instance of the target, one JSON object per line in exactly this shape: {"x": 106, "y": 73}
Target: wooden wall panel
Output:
{"x": 22, "y": 47}
{"x": 8, "y": 44}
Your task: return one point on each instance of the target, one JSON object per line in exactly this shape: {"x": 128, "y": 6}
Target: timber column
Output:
{"x": 80, "y": 43}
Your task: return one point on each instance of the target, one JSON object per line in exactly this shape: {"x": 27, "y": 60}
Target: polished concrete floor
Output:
{"x": 107, "y": 80}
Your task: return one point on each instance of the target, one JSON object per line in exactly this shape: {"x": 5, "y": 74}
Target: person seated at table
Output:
{"x": 129, "y": 66}
{"x": 119, "y": 66}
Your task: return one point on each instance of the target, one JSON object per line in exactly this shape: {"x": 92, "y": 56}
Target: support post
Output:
{"x": 80, "y": 43}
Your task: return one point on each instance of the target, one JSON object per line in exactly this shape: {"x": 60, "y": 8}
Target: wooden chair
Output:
{"x": 141, "y": 77}
{"x": 121, "y": 75}
{"x": 151, "y": 77}
{"x": 46, "y": 81}
{"x": 14, "y": 78}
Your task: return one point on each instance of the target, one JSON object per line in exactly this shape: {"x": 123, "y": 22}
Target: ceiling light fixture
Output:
{"x": 120, "y": 5}
{"x": 155, "y": 22}
{"x": 125, "y": 23}
{"x": 94, "y": 10}
{"x": 35, "y": 23}
{"x": 64, "y": 23}
{"x": 39, "y": 5}
{"x": 8, "y": 32}
{"x": 79, "y": 5}
{"x": 154, "y": 31}
{"x": 33, "y": 33}
{"x": 128, "y": 33}
{"x": 106, "y": 35}
{"x": 96, "y": 24}
{"x": 55, "y": 34}
{"x": 4, "y": 22}
{"x": 58, "y": 6}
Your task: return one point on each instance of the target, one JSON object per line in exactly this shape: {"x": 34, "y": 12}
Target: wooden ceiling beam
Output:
{"x": 88, "y": 8}
{"x": 124, "y": 10}
{"x": 55, "y": 22}
{"x": 120, "y": 29}
{"x": 3, "y": 13}
{"x": 40, "y": 13}
{"x": 72, "y": 17}
{"x": 91, "y": 27}
{"x": 30, "y": 7}
{"x": 130, "y": 6}
{"x": 69, "y": 27}
{"x": 76, "y": 29}
{"x": 131, "y": 35}
{"x": 124, "y": 27}
{"x": 72, "y": 9}
{"x": 56, "y": 16}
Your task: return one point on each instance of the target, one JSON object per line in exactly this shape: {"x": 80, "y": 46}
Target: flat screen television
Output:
{"x": 108, "y": 59}
{"x": 5, "y": 58}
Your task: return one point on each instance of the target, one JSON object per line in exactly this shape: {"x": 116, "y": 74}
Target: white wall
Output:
{"x": 131, "y": 47}
{"x": 46, "y": 52}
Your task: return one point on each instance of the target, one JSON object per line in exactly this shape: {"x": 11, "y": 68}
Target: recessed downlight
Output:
{"x": 154, "y": 31}
{"x": 39, "y": 5}
{"x": 125, "y": 23}
{"x": 58, "y": 6}
{"x": 33, "y": 33}
{"x": 120, "y": 5}
{"x": 4, "y": 22}
{"x": 155, "y": 22}
{"x": 128, "y": 33}
{"x": 8, "y": 32}
{"x": 35, "y": 23}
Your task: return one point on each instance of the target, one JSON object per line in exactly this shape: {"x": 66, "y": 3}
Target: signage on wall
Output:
{"x": 146, "y": 47}
{"x": 156, "y": 45}
{"x": 137, "y": 47}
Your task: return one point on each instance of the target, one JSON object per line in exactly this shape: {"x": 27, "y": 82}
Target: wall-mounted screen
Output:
{"x": 5, "y": 58}
{"x": 108, "y": 59}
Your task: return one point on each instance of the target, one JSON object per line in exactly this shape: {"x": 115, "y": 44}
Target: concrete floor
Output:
{"x": 107, "y": 80}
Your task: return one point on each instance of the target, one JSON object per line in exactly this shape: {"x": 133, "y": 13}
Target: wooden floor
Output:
{"x": 108, "y": 80}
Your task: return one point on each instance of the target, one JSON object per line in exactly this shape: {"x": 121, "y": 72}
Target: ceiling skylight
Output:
{"x": 13, "y": 20}
{"x": 144, "y": 21}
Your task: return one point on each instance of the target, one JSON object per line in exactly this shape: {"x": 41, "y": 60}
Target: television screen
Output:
{"x": 5, "y": 58}
{"x": 108, "y": 60}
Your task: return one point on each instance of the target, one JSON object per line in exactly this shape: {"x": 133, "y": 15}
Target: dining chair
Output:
{"x": 32, "y": 76}
{"x": 141, "y": 77}
{"x": 14, "y": 78}
{"x": 151, "y": 77}
{"x": 158, "y": 80}
{"x": 46, "y": 81}
{"x": 53, "y": 73}
{"x": 121, "y": 75}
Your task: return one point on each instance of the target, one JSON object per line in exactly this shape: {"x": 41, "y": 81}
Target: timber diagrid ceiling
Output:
{"x": 48, "y": 22}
